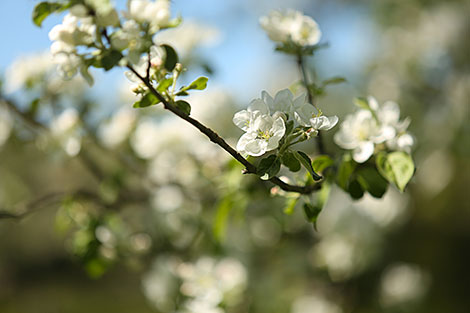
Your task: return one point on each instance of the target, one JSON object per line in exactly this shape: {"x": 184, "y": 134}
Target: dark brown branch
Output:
{"x": 215, "y": 138}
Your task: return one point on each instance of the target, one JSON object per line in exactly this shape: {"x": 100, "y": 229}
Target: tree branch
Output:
{"x": 215, "y": 138}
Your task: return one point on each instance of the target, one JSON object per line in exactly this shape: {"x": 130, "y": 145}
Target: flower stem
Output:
{"x": 311, "y": 98}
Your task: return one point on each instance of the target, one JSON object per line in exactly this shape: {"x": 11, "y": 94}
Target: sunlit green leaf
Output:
{"x": 43, "y": 9}
{"x": 147, "y": 100}
{"x": 307, "y": 163}
{"x": 397, "y": 167}
{"x": 322, "y": 162}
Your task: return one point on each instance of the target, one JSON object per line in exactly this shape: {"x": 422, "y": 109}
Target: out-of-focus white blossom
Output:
{"x": 168, "y": 198}
{"x": 187, "y": 36}
{"x": 6, "y": 124}
{"x": 360, "y": 132}
{"x": 65, "y": 129}
{"x": 314, "y": 304}
{"x": 157, "y": 55}
{"x": 160, "y": 283}
{"x": 209, "y": 282}
{"x": 26, "y": 69}
{"x": 115, "y": 131}
{"x": 291, "y": 26}
{"x": 402, "y": 283}
{"x": 155, "y": 13}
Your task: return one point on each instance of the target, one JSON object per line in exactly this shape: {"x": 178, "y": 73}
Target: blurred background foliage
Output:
{"x": 120, "y": 209}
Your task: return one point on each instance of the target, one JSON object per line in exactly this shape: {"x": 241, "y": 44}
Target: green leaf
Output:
{"x": 86, "y": 75}
{"x": 183, "y": 106}
{"x": 372, "y": 182}
{"x": 355, "y": 189}
{"x": 307, "y": 163}
{"x": 289, "y": 127}
{"x": 269, "y": 167}
{"x": 171, "y": 57}
{"x": 362, "y": 103}
{"x": 345, "y": 170}
{"x": 322, "y": 162}
{"x": 397, "y": 167}
{"x": 221, "y": 217}
{"x": 199, "y": 84}
{"x": 147, "y": 100}
{"x": 290, "y": 205}
{"x": 289, "y": 160}
{"x": 43, "y": 9}
{"x": 311, "y": 213}
{"x": 164, "y": 84}
{"x": 334, "y": 80}
{"x": 110, "y": 58}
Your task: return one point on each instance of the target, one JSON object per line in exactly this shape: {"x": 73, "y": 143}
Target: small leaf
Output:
{"x": 43, "y": 9}
{"x": 334, "y": 80}
{"x": 372, "y": 182}
{"x": 321, "y": 163}
{"x": 355, "y": 189}
{"x": 164, "y": 84}
{"x": 171, "y": 57}
{"x": 345, "y": 170}
{"x": 86, "y": 75}
{"x": 397, "y": 167}
{"x": 307, "y": 163}
{"x": 199, "y": 84}
{"x": 362, "y": 103}
{"x": 289, "y": 160}
{"x": 311, "y": 213}
{"x": 183, "y": 106}
{"x": 290, "y": 205}
{"x": 110, "y": 58}
{"x": 289, "y": 127}
{"x": 147, "y": 100}
{"x": 269, "y": 167}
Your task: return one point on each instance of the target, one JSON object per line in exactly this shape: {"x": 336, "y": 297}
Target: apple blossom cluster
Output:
{"x": 374, "y": 126}
{"x": 206, "y": 284}
{"x": 291, "y": 27}
{"x": 94, "y": 34}
{"x": 264, "y": 122}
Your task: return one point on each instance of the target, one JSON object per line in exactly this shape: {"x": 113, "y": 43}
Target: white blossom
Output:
{"x": 366, "y": 128}
{"x": 263, "y": 134}
{"x": 291, "y": 26}
{"x": 402, "y": 283}
{"x": 117, "y": 129}
{"x": 187, "y": 36}
{"x": 208, "y": 281}
{"x": 65, "y": 129}
{"x": 155, "y": 13}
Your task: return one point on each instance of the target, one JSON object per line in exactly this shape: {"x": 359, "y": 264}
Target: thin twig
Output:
{"x": 311, "y": 99}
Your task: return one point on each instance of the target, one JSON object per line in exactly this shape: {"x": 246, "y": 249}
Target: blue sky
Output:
{"x": 244, "y": 58}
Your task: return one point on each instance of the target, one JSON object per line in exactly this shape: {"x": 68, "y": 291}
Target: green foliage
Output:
{"x": 290, "y": 205}
{"x": 269, "y": 167}
{"x": 164, "y": 84}
{"x": 362, "y": 103}
{"x": 397, "y": 167}
{"x": 183, "y": 106}
{"x": 289, "y": 160}
{"x": 334, "y": 80}
{"x": 147, "y": 100}
{"x": 322, "y": 162}
{"x": 371, "y": 181}
{"x": 43, "y": 9}
{"x": 109, "y": 58}
{"x": 171, "y": 57}
{"x": 304, "y": 159}
{"x": 345, "y": 170}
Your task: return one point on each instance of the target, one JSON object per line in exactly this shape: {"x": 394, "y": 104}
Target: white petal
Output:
{"x": 256, "y": 147}
{"x": 363, "y": 152}
{"x": 242, "y": 119}
{"x": 258, "y": 105}
{"x": 373, "y": 104}
{"x": 332, "y": 121}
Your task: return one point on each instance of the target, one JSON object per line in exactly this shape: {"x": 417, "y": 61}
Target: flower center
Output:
{"x": 264, "y": 134}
